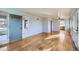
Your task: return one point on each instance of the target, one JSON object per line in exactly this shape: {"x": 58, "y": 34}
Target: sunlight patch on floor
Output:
{"x": 52, "y": 36}
{"x": 62, "y": 36}
{"x": 4, "y": 48}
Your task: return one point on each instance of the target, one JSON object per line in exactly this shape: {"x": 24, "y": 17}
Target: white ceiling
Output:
{"x": 48, "y": 12}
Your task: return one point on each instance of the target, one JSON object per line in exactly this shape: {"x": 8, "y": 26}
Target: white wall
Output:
{"x": 67, "y": 24}
{"x": 56, "y": 25}
{"x": 49, "y": 26}
{"x": 35, "y": 27}
{"x": 45, "y": 25}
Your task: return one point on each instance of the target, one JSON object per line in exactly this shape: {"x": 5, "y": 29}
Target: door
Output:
{"x": 15, "y": 27}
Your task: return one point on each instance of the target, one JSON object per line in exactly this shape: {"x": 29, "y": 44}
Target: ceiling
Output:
{"x": 48, "y": 12}
{"x": 3, "y": 13}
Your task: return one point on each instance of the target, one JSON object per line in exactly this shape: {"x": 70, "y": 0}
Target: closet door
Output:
{"x": 15, "y": 28}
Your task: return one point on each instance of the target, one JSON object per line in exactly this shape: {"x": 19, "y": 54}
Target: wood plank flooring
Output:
{"x": 55, "y": 41}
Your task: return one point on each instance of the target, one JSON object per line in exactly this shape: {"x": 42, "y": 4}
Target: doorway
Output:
{"x": 62, "y": 24}
{"x": 15, "y": 28}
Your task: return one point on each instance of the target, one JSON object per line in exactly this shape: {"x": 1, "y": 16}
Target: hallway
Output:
{"x": 39, "y": 29}
{"x": 43, "y": 42}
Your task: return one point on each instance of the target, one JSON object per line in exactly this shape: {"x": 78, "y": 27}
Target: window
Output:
{"x": 26, "y": 24}
{"x": 2, "y": 26}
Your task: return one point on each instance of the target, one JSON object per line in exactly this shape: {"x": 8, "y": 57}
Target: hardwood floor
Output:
{"x": 55, "y": 41}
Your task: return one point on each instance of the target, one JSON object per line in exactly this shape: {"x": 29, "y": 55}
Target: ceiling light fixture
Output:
{"x": 59, "y": 14}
